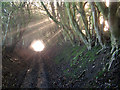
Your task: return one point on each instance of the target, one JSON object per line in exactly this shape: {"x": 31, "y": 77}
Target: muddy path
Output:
{"x": 27, "y": 72}
{"x": 41, "y": 71}
{"x": 35, "y": 76}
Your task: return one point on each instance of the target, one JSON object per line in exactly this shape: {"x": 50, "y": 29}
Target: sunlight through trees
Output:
{"x": 78, "y": 22}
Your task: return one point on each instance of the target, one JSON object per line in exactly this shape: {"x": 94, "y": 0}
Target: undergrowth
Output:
{"x": 77, "y": 58}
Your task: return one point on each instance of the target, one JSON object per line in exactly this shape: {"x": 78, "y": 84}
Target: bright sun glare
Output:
{"x": 37, "y": 45}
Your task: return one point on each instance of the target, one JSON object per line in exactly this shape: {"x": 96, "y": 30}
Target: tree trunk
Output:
{"x": 6, "y": 29}
{"x": 96, "y": 26}
{"x": 76, "y": 27}
{"x": 53, "y": 9}
{"x": 85, "y": 21}
{"x": 114, "y": 23}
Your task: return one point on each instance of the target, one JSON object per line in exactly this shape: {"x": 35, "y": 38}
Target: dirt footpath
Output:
{"x": 27, "y": 72}
{"x": 35, "y": 76}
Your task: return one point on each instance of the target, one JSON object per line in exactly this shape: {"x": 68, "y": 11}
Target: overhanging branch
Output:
{"x": 50, "y": 14}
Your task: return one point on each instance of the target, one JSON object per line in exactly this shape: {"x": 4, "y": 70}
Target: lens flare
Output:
{"x": 37, "y": 45}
